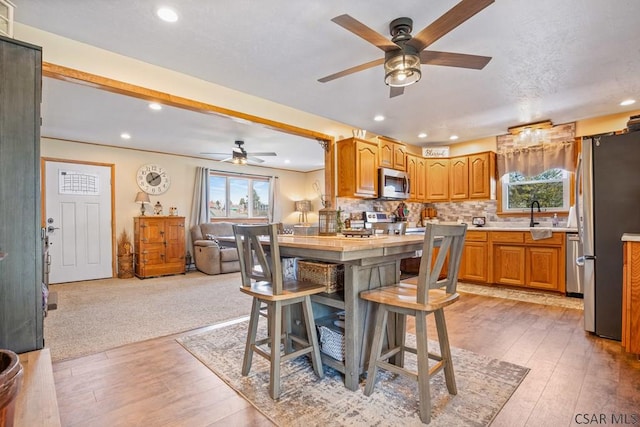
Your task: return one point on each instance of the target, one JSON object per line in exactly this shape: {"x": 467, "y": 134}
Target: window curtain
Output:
{"x": 555, "y": 150}
{"x": 274, "y": 194}
{"x": 533, "y": 160}
{"x": 200, "y": 202}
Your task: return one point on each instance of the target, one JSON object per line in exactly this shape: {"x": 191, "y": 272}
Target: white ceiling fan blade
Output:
{"x": 270, "y": 153}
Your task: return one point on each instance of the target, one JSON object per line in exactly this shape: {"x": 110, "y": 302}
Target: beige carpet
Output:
{"x": 97, "y": 315}
{"x": 484, "y": 386}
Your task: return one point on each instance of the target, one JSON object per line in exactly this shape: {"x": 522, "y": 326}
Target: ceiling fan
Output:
{"x": 404, "y": 53}
{"x": 239, "y": 155}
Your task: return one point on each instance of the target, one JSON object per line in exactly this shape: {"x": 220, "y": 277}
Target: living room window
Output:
{"x": 551, "y": 188}
{"x": 237, "y": 196}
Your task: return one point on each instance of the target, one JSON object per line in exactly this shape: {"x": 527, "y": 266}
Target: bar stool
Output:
{"x": 262, "y": 278}
{"x": 430, "y": 295}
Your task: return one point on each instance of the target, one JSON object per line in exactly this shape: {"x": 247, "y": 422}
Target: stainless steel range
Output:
{"x": 375, "y": 217}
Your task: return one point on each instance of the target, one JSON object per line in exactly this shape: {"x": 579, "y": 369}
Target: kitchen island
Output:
{"x": 369, "y": 262}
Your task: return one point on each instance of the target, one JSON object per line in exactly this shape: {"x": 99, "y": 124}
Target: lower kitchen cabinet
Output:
{"x": 519, "y": 260}
{"x": 159, "y": 245}
{"x": 474, "y": 264}
{"x": 631, "y": 298}
{"x": 542, "y": 268}
{"x": 509, "y": 265}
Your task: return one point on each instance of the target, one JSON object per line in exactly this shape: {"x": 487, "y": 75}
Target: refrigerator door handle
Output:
{"x": 577, "y": 195}
{"x": 582, "y": 259}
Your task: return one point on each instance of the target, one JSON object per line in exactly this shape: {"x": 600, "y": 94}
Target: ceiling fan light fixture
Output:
{"x": 402, "y": 67}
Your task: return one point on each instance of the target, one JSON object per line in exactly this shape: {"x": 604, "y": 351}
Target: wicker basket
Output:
{"x": 322, "y": 273}
{"x": 331, "y": 342}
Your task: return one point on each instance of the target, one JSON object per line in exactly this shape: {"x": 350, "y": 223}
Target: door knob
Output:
{"x": 51, "y": 228}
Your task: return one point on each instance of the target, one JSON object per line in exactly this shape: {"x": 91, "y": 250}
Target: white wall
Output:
{"x": 293, "y": 185}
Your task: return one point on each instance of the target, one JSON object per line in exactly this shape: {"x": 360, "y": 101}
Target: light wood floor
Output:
{"x": 158, "y": 383}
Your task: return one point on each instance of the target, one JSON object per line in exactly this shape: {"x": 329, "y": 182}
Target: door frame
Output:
{"x": 43, "y": 198}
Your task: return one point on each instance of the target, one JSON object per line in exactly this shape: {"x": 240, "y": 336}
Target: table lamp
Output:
{"x": 303, "y": 206}
{"x": 142, "y": 198}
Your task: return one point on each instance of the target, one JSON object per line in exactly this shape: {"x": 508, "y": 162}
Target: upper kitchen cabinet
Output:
{"x": 437, "y": 180}
{"x": 357, "y": 168}
{"x": 482, "y": 175}
{"x": 393, "y": 154}
{"x": 459, "y": 178}
{"x": 416, "y": 169}
{"x": 472, "y": 176}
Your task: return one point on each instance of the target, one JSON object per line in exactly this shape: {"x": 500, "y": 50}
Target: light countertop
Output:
{"x": 630, "y": 237}
{"x": 506, "y": 227}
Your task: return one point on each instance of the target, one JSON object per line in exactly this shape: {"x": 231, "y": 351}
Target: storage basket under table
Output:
{"x": 323, "y": 273}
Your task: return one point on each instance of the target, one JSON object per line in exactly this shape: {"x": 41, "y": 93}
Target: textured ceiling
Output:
{"x": 560, "y": 60}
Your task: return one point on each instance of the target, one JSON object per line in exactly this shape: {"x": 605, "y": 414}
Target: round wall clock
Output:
{"x": 153, "y": 179}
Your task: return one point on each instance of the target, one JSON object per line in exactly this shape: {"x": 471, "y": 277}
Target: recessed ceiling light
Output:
{"x": 287, "y": 161}
{"x": 378, "y": 118}
{"x": 628, "y": 102}
{"x": 453, "y": 137}
{"x": 166, "y": 14}
{"x": 422, "y": 135}
{"x": 155, "y": 106}
{"x": 125, "y": 135}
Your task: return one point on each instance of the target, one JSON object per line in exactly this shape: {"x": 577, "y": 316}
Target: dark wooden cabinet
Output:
{"x": 159, "y": 245}
{"x": 21, "y": 289}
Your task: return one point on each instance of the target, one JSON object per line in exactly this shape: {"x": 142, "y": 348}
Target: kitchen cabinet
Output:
{"x": 159, "y": 245}
{"x": 437, "y": 180}
{"x": 416, "y": 169}
{"x": 520, "y": 260}
{"x": 482, "y": 175}
{"x": 21, "y": 245}
{"x": 459, "y": 178}
{"x": 392, "y": 154}
{"x": 472, "y": 176}
{"x": 357, "y": 168}
{"x": 631, "y": 298}
{"x": 474, "y": 262}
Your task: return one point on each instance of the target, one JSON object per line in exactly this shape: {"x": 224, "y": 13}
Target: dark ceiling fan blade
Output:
{"x": 361, "y": 30}
{"x": 395, "y": 91}
{"x": 447, "y": 22}
{"x": 352, "y": 70}
{"x": 270, "y": 153}
{"x": 255, "y": 159}
{"x": 449, "y": 59}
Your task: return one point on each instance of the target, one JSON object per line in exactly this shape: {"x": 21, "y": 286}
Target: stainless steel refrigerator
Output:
{"x": 607, "y": 207}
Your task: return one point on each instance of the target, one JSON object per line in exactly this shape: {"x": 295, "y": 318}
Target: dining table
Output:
{"x": 369, "y": 262}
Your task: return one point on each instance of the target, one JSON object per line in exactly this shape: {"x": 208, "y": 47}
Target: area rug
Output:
{"x": 97, "y": 315}
{"x": 484, "y": 386}
{"x": 532, "y": 296}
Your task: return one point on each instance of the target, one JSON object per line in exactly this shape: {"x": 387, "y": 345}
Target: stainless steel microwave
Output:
{"x": 393, "y": 184}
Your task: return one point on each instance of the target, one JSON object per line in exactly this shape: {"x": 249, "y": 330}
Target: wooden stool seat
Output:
{"x": 262, "y": 278}
{"x": 429, "y": 293}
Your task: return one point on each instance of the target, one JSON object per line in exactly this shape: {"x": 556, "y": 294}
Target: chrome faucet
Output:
{"x": 531, "y": 223}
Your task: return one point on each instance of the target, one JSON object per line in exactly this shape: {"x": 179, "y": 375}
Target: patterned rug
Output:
{"x": 484, "y": 386}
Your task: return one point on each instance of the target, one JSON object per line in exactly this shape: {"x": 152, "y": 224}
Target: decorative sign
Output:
{"x": 78, "y": 183}
{"x": 435, "y": 151}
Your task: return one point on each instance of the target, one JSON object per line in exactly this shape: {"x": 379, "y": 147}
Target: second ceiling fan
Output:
{"x": 404, "y": 53}
{"x": 240, "y": 156}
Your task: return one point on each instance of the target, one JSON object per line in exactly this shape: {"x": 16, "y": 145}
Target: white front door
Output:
{"x": 78, "y": 221}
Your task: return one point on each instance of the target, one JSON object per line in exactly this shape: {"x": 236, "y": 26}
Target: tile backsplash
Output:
{"x": 447, "y": 211}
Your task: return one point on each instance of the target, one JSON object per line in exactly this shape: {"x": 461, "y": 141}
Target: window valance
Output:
{"x": 557, "y": 150}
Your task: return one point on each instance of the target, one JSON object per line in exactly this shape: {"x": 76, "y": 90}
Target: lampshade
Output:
{"x": 303, "y": 206}
{"x": 402, "y": 67}
{"x": 142, "y": 197}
